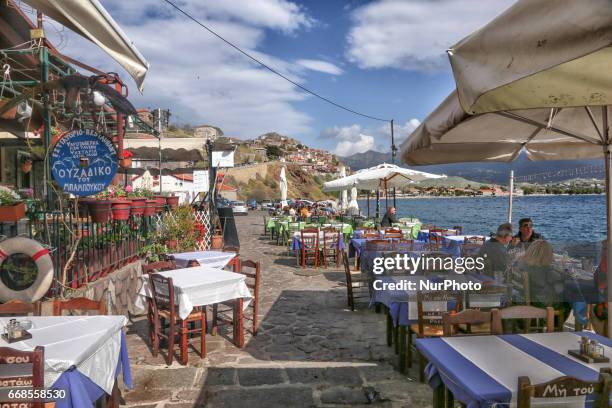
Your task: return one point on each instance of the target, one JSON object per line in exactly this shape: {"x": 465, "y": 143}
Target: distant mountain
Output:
{"x": 546, "y": 171}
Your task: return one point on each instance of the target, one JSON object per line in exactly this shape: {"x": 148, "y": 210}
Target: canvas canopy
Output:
{"x": 537, "y": 54}
{"x": 382, "y": 176}
{"x": 90, "y": 20}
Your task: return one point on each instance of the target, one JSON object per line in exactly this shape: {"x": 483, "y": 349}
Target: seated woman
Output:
{"x": 545, "y": 283}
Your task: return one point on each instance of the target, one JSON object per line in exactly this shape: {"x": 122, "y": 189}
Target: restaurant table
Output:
{"x": 402, "y": 304}
{"x": 213, "y": 259}
{"x": 482, "y": 371}
{"x": 83, "y": 355}
{"x": 452, "y": 244}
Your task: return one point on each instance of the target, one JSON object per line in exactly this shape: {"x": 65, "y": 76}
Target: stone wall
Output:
{"x": 245, "y": 173}
{"x": 119, "y": 289}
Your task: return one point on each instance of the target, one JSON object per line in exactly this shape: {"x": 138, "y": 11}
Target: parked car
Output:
{"x": 252, "y": 204}
{"x": 266, "y": 204}
{"x": 239, "y": 208}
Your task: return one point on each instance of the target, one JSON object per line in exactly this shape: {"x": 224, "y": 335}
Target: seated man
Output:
{"x": 526, "y": 235}
{"x": 389, "y": 218}
{"x": 495, "y": 251}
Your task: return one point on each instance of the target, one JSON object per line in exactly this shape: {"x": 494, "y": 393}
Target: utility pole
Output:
{"x": 393, "y": 151}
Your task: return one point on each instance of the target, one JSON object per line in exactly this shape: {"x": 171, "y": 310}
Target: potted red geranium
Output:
{"x": 126, "y": 160}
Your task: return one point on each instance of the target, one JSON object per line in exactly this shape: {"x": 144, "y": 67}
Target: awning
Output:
{"x": 89, "y": 19}
{"x": 174, "y": 155}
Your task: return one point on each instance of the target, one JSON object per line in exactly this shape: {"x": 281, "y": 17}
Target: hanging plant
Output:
{"x": 26, "y": 165}
{"x": 126, "y": 160}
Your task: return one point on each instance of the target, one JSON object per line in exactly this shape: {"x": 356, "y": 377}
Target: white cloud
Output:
{"x": 356, "y": 139}
{"x": 320, "y": 66}
{"x": 352, "y": 139}
{"x": 200, "y": 78}
{"x": 414, "y": 35}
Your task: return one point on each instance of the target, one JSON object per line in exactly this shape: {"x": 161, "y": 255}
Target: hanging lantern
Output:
{"x": 98, "y": 98}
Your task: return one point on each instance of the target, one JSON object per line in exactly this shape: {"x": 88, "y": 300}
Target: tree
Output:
{"x": 273, "y": 152}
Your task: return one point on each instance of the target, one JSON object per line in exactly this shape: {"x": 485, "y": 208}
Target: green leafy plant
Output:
{"x": 153, "y": 252}
{"x": 143, "y": 192}
{"x": 7, "y": 198}
{"x": 112, "y": 192}
{"x": 179, "y": 225}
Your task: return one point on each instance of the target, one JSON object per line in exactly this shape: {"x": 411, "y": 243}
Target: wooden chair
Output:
{"x": 19, "y": 308}
{"x": 470, "y": 249}
{"x": 371, "y": 235}
{"x": 394, "y": 235}
{"x": 292, "y": 228}
{"x": 523, "y": 312}
{"x": 80, "y": 304}
{"x": 158, "y": 266}
{"x": 252, "y": 271}
{"x": 265, "y": 225}
{"x": 392, "y": 231}
{"x": 407, "y": 244}
{"x": 435, "y": 239}
{"x": 431, "y": 307}
{"x": 164, "y": 308}
{"x": 467, "y": 317}
{"x": 309, "y": 246}
{"x": 331, "y": 246}
{"x": 357, "y": 284}
{"x": 29, "y": 371}
{"x": 565, "y": 387}
{"x": 233, "y": 264}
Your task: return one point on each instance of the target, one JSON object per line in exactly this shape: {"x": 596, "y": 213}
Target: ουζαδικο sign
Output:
{"x": 83, "y": 162}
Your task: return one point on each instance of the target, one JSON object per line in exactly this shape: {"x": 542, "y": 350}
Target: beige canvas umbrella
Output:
{"x": 536, "y": 78}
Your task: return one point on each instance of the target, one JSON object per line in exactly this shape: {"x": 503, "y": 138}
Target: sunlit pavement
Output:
{"x": 310, "y": 349}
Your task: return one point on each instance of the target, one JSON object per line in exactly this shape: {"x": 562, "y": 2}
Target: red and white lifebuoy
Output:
{"x": 44, "y": 264}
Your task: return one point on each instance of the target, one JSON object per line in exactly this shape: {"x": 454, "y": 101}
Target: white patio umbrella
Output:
{"x": 537, "y": 79}
{"x": 283, "y": 186}
{"x": 382, "y": 176}
{"x": 344, "y": 198}
{"x": 353, "y": 205}
{"x": 147, "y": 180}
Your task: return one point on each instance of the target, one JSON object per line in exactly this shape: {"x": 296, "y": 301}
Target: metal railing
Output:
{"x": 82, "y": 250}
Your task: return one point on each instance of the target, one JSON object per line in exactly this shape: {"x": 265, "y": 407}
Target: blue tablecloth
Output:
{"x": 470, "y": 366}
{"x": 399, "y": 308}
{"x": 296, "y": 244}
{"x": 423, "y": 236}
{"x": 81, "y": 391}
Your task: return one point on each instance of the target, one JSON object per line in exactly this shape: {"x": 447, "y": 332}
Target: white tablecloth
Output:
{"x": 90, "y": 343}
{"x": 214, "y": 259}
{"x": 199, "y": 286}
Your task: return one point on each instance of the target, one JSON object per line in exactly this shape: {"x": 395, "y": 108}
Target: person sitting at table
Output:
{"x": 389, "y": 218}
{"x": 495, "y": 251}
{"x": 545, "y": 283}
{"x": 291, "y": 211}
{"x": 526, "y": 234}
{"x": 304, "y": 212}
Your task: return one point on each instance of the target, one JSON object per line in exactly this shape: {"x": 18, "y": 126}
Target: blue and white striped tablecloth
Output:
{"x": 482, "y": 371}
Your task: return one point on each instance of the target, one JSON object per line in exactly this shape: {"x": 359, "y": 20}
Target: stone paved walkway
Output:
{"x": 310, "y": 350}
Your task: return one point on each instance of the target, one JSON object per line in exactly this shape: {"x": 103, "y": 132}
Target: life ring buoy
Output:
{"x": 44, "y": 264}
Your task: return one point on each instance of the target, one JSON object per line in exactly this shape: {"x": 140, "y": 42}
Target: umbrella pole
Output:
{"x": 394, "y": 197}
{"x": 377, "y": 204}
{"x": 608, "y": 157}
{"x": 368, "y": 200}
{"x": 510, "y": 195}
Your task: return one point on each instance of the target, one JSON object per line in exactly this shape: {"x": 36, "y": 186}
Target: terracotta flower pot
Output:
{"x": 26, "y": 166}
{"x": 172, "y": 244}
{"x": 172, "y": 201}
{"x": 100, "y": 210}
{"x": 150, "y": 208}
{"x": 12, "y": 213}
{"x": 216, "y": 242}
{"x": 138, "y": 206}
{"x": 121, "y": 209}
{"x": 83, "y": 206}
{"x": 125, "y": 163}
{"x": 161, "y": 203}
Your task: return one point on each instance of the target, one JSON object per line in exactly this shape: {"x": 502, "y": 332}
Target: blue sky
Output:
{"x": 384, "y": 58}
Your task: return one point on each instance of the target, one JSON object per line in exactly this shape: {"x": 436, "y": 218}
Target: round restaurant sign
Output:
{"x": 83, "y": 162}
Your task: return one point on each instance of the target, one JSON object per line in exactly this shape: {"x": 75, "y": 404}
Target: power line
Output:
{"x": 272, "y": 69}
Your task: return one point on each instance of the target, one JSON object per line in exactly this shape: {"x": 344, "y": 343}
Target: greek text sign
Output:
{"x": 83, "y": 162}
